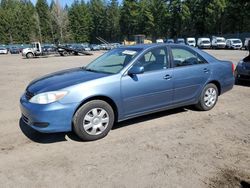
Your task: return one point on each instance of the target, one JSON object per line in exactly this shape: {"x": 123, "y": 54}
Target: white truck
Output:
{"x": 204, "y": 42}
{"x": 218, "y": 42}
{"x": 35, "y": 50}
{"x": 191, "y": 41}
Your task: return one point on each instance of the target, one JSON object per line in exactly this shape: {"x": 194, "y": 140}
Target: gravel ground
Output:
{"x": 175, "y": 148}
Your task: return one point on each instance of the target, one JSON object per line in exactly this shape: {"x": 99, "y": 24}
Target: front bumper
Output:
{"x": 243, "y": 74}
{"x": 48, "y": 118}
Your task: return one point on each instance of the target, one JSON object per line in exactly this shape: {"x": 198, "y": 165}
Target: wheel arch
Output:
{"x": 103, "y": 98}
{"x": 217, "y": 84}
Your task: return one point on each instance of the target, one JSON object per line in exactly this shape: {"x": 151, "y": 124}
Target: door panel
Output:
{"x": 190, "y": 74}
{"x": 147, "y": 91}
{"x": 152, "y": 89}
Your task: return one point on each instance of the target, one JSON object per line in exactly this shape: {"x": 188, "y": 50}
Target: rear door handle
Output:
{"x": 167, "y": 77}
{"x": 206, "y": 70}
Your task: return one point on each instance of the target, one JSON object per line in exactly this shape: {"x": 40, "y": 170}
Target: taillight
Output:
{"x": 232, "y": 68}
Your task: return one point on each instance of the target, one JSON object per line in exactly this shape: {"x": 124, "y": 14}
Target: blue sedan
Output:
{"x": 123, "y": 83}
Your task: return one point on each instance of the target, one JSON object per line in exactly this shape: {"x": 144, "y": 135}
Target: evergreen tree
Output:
{"x": 99, "y": 18}
{"x": 112, "y": 22}
{"x": 45, "y": 23}
{"x": 129, "y": 18}
{"x": 80, "y": 22}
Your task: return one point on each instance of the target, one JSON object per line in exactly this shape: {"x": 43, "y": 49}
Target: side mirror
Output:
{"x": 136, "y": 70}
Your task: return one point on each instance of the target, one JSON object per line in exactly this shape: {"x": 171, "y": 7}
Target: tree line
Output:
{"x": 21, "y": 21}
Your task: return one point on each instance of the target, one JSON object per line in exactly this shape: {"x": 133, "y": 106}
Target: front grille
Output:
{"x": 25, "y": 119}
{"x": 29, "y": 95}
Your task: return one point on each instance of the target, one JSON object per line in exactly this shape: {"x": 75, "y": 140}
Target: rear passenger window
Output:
{"x": 183, "y": 57}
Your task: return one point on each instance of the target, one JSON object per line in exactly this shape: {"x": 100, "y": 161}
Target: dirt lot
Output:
{"x": 175, "y": 148}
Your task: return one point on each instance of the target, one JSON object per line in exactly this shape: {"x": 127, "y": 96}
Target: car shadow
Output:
{"x": 48, "y": 138}
{"x": 243, "y": 83}
{"x": 150, "y": 117}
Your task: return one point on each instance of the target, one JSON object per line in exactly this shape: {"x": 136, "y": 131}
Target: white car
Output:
{"x": 159, "y": 41}
{"x": 218, "y": 42}
{"x": 191, "y": 41}
{"x": 234, "y": 43}
{"x": 3, "y": 50}
{"x": 204, "y": 43}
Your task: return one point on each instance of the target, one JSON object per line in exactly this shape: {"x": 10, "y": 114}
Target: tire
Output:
{"x": 208, "y": 97}
{"x": 93, "y": 120}
{"x": 29, "y": 55}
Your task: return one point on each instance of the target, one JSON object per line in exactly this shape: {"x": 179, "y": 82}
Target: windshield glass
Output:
{"x": 113, "y": 61}
{"x": 205, "y": 42}
{"x": 220, "y": 40}
{"x": 236, "y": 41}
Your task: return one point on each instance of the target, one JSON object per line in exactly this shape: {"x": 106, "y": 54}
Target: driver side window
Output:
{"x": 183, "y": 57}
{"x": 153, "y": 60}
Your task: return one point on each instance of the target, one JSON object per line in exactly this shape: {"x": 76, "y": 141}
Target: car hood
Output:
{"x": 62, "y": 79}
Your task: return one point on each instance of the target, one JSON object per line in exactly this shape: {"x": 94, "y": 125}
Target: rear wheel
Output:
{"x": 208, "y": 98}
{"x": 93, "y": 120}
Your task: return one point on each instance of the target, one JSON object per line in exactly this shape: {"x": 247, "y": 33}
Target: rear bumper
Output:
{"x": 47, "y": 118}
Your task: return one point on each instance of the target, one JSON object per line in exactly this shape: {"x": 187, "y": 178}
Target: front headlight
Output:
{"x": 48, "y": 97}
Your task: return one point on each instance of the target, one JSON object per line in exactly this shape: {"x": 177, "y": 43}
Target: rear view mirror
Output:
{"x": 136, "y": 70}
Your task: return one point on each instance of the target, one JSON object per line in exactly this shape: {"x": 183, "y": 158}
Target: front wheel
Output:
{"x": 29, "y": 55}
{"x": 208, "y": 98}
{"x": 93, "y": 120}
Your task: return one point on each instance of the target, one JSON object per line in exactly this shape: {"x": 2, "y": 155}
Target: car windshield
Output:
{"x": 191, "y": 41}
{"x": 205, "y": 42}
{"x": 113, "y": 61}
{"x": 236, "y": 41}
{"x": 220, "y": 40}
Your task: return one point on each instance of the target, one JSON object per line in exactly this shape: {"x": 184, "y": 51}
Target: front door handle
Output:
{"x": 167, "y": 77}
{"x": 206, "y": 70}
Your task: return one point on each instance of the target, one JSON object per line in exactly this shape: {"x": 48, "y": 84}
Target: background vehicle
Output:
{"x": 246, "y": 43}
{"x": 180, "y": 41}
{"x": 14, "y": 50}
{"x": 159, "y": 41}
{"x": 191, "y": 41}
{"x": 204, "y": 43}
{"x": 35, "y": 50}
{"x": 242, "y": 71}
{"x": 94, "y": 47}
{"x": 234, "y": 43}
{"x": 124, "y": 83}
{"x": 170, "y": 41}
{"x": 3, "y": 50}
{"x": 218, "y": 42}
{"x": 49, "y": 49}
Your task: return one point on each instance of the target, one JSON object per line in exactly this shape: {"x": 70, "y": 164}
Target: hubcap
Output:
{"x": 210, "y": 97}
{"x": 96, "y": 121}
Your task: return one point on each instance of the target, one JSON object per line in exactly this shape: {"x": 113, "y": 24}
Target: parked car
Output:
{"x": 159, "y": 41}
{"x": 246, "y": 43}
{"x": 123, "y": 83}
{"x": 170, "y": 41}
{"x": 3, "y": 50}
{"x": 218, "y": 42}
{"x": 180, "y": 41}
{"x": 204, "y": 43}
{"x": 191, "y": 41}
{"x": 234, "y": 43}
{"x": 49, "y": 49}
{"x": 14, "y": 50}
{"x": 242, "y": 71}
{"x": 94, "y": 47}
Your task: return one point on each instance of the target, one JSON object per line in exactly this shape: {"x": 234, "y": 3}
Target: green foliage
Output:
{"x": 80, "y": 22}
{"x": 22, "y": 22}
